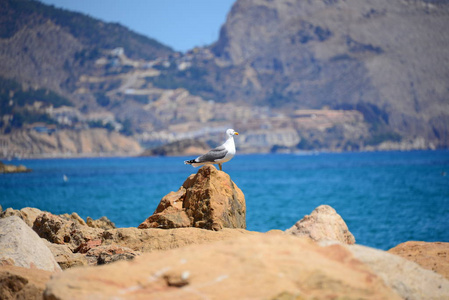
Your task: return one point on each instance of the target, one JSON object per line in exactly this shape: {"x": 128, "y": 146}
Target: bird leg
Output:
{"x": 220, "y": 167}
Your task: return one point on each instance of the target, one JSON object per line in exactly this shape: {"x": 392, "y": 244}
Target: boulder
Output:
{"x": 324, "y": 223}
{"x": 407, "y": 278}
{"x": 432, "y": 256}
{"x": 27, "y": 214}
{"x": 21, "y": 246}
{"x": 208, "y": 199}
{"x": 58, "y": 230}
{"x": 22, "y": 283}
{"x": 149, "y": 240}
{"x": 64, "y": 257}
{"x": 271, "y": 266}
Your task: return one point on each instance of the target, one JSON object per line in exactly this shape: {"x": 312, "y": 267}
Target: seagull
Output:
{"x": 218, "y": 155}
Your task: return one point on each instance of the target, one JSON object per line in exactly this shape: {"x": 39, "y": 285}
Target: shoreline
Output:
{"x": 297, "y": 153}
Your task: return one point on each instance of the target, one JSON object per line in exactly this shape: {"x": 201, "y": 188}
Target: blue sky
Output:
{"x": 180, "y": 24}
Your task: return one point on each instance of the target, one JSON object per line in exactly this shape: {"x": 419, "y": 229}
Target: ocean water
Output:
{"x": 386, "y": 198}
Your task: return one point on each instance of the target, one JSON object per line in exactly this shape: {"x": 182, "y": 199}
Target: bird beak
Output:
{"x": 236, "y": 133}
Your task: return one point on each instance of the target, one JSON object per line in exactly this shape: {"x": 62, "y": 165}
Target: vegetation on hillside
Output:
{"x": 92, "y": 32}
{"x": 14, "y": 99}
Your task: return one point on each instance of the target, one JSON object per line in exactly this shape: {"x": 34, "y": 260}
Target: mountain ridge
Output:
{"x": 290, "y": 75}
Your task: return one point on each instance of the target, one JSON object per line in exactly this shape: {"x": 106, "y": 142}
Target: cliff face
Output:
{"x": 381, "y": 57}
{"x": 68, "y": 143}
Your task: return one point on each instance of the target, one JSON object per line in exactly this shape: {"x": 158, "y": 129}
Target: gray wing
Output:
{"x": 214, "y": 154}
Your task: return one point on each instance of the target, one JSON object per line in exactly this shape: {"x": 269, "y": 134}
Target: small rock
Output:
{"x": 103, "y": 223}
{"x": 13, "y": 169}
{"x": 23, "y": 247}
{"x": 323, "y": 224}
{"x": 86, "y": 246}
{"x": 107, "y": 254}
{"x": 74, "y": 217}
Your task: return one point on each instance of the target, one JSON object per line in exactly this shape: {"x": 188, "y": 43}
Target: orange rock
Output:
{"x": 153, "y": 239}
{"x": 209, "y": 199}
{"x": 253, "y": 267}
{"x": 58, "y": 230}
{"x": 86, "y": 246}
{"x": 432, "y": 256}
{"x": 22, "y": 283}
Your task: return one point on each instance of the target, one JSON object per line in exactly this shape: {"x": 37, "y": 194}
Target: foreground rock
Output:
{"x": 30, "y": 214}
{"x": 432, "y": 256}
{"x": 208, "y": 199}
{"x": 74, "y": 242}
{"x": 58, "y": 230}
{"x": 65, "y": 257}
{"x": 149, "y": 240}
{"x": 13, "y": 169}
{"x": 22, "y": 283}
{"x": 21, "y": 246}
{"x": 27, "y": 214}
{"x": 323, "y": 224}
{"x": 407, "y": 278}
{"x": 257, "y": 267}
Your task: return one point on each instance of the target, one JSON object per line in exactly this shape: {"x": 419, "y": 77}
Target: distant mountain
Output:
{"x": 48, "y": 47}
{"x": 289, "y": 75}
{"x": 386, "y": 59}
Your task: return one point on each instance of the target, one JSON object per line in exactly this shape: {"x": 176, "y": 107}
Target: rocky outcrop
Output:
{"x": 22, "y": 283}
{"x": 179, "y": 148}
{"x": 13, "y": 169}
{"x": 259, "y": 267}
{"x": 406, "y": 278}
{"x": 74, "y": 242}
{"x": 324, "y": 223}
{"x": 27, "y": 214}
{"x": 432, "y": 256}
{"x": 208, "y": 199}
{"x": 21, "y": 246}
{"x": 57, "y": 230}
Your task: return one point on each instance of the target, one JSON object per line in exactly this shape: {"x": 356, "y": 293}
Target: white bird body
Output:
{"x": 219, "y": 155}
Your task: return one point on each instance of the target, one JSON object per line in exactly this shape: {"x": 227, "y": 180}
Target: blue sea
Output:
{"x": 386, "y": 198}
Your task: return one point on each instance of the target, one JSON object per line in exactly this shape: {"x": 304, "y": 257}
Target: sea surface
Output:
{"x": 386, "y": 198}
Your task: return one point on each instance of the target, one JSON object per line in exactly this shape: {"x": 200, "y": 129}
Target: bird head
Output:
{"x": 231, "y": 132}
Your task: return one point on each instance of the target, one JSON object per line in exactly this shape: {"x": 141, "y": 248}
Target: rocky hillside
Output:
{"x": 386, "y": 59}
{"x": 288, "y": 75}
